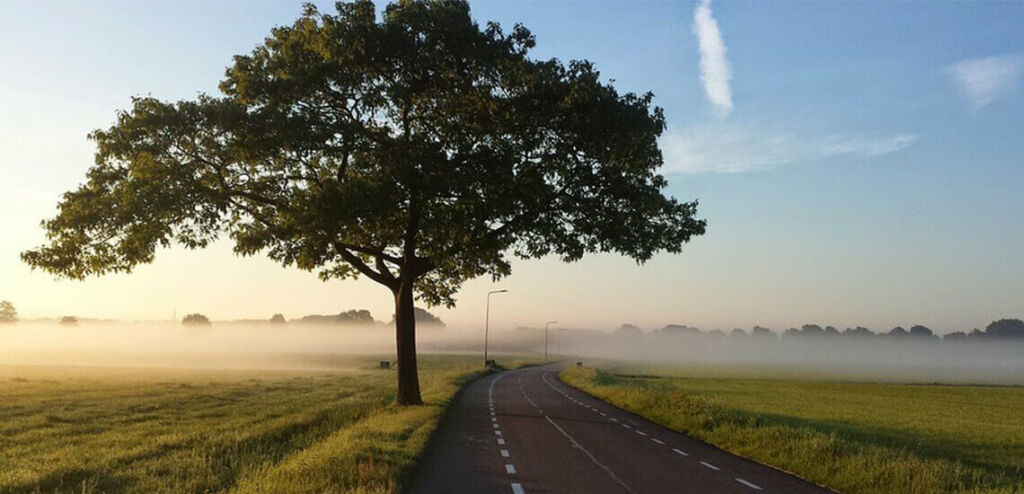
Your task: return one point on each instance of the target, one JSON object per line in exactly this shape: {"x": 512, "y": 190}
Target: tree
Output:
{"x": 897, "y": 332}
{"x": 812, "y": 330}
{"x": 8, "y": 314}
{"x": 68, "y": 321}
{"x": 628, "y": 330}
{"x": 919, "y": 331}
{"x": 763, "y": 333}
{"x": 955, "y": 336}
{"x": 423, "y": 317}
{"x": 419, "y": 150}
{"x": 278, "y": 319}
{"x": 1005, "y": 328}
{"x": 679, "y": 329}
{"x": 858, "y": 332}
{"x": 197, "y": 320}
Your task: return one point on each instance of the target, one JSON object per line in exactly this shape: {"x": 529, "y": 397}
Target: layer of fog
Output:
{"x": 306, "y": 346}
{"x": 999, "y": 362}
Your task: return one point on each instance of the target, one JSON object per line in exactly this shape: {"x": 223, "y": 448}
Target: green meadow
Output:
{"x": 849, "y": 436}
{"x": 92, "y": 429}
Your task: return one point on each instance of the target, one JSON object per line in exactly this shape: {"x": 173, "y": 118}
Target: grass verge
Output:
{"x": 851, "y": 437}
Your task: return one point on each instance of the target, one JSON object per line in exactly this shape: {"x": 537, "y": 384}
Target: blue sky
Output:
{"x": 858, "y": 162}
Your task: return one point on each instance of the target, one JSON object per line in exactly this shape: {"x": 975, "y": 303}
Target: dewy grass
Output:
{"x": 851, "y": 437}
{"x": 182, "y": 431}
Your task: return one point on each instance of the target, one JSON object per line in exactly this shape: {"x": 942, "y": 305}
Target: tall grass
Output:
{"x": 66, "y": 430}
{"x": 851, "y": 437}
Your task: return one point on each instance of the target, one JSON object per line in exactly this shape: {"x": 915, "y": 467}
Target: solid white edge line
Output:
{"x": 517, "y": 489}
{"x": 748, "y": 484}
{"x": 708, "y": 465}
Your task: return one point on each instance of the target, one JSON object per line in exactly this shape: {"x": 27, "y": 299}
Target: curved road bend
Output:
{"x": 524, "y": 431}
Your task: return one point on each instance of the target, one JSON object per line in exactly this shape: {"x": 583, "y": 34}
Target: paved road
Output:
{"x": 525, "y": 431}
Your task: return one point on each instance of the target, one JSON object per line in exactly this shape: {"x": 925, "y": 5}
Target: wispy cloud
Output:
{"x": 715, "y": 73}
{"x": 982, "y": 80}
{"x": 733, "y": 149}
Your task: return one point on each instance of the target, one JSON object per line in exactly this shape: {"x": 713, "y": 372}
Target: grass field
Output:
{"x": 89, "y": 430}
{"x": 852, "y": 437}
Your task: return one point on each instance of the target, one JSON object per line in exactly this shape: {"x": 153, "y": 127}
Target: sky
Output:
{"x": 858, "y": 163}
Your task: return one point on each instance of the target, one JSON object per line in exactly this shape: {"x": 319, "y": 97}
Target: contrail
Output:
{"x": 714, "y": 67}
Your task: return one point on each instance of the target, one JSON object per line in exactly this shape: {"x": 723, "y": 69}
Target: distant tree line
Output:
{"x": 354, "y": 317}
{"x": 1003, "y": 329}
{"x": 350, "y": 317}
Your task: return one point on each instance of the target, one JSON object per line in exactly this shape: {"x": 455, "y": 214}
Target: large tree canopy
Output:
{"x": 418, "y": 149}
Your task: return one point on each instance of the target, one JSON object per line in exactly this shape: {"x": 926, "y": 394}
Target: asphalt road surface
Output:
{"x": 524, "y": 431}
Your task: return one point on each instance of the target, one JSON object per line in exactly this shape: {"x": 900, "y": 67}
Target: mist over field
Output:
{"x": 296, "y": 345}
{"x": 871, "y": 359}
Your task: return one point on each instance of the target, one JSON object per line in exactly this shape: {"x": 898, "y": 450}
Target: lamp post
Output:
{"x": 487, "y": 321}
{"x": 546, "y": 326}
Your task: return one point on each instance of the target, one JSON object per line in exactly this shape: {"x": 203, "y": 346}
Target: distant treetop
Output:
{"x": 629, "y": 330}
{"x": 8, "y": 314}
{"x": 424, "y": 318}
{"x": 1005, "y": 328}
{"x": 196, "y": 320}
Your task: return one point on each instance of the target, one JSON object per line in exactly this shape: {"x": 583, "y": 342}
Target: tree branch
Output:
{"x": 385, "y": 279}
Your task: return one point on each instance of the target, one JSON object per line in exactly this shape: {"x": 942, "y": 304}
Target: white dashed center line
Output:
{"x": 708, "y": 465}
{"x": 748, "y": 484}
{"x": 501, "y": 442}
{"x": 504, "y": 454}
{"x": 517, "y": 489}
{"x": 510, "y": 468}
{"x": 593, "y": 460}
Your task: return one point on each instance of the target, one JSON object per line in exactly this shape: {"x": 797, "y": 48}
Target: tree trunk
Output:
{"x": 405, "y": 336}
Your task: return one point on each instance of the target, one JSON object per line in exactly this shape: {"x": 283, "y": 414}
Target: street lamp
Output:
{"x": 487, "y": 321}
{"x": 546, "y": 326}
